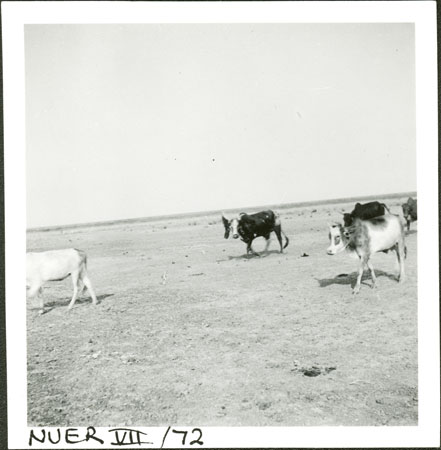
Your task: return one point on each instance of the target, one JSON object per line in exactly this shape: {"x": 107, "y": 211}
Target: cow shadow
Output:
{"x": 253, "y": 256}
{"x": 351, "y": 278}
{"x": 49, "y": 306}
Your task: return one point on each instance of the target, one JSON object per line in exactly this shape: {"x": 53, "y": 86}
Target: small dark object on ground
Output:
{"x": 304, "y": 255}
{"x": 313, "y": 371}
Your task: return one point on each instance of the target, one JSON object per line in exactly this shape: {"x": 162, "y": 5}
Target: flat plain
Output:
{"x": 191, "y": 331}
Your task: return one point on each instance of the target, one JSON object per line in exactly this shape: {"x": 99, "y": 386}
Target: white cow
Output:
{"x": 366, "y": 237}
{"x": 56, "y": 265}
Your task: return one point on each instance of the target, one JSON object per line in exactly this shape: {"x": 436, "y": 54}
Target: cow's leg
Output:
{"x": 401, "y": 254}
{"x": 88, "y": 284}
{"x": 75, "y": 277}
{"x": 267, "y": 243}
{"x": 81, "y": 286}
{"x": 250, "y": 249}
{"x": 374, "y": 278}
{"x": 363, "y": 260}
{"x": 408, "y": 224}
{"x": 35, "y": 292}
{"x": 278, "y": 231}
{"x": 41, "y": 300}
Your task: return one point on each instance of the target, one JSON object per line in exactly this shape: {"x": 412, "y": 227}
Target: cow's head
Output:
{"x": 231, "y": 226}
{"x": 338, "y": 237}
{"x": 406, "y": 210}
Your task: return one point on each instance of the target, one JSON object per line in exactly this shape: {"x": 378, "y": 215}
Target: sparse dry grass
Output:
{"x": 220, "y": 343}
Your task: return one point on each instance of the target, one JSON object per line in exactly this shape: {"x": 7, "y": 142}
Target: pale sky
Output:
{"x": 126, "y": 121}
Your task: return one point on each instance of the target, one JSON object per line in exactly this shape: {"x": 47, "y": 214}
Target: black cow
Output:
{"x": 365, "y": 212}
{"x": 250, "y": 226}
{"x": 410, "y": 211}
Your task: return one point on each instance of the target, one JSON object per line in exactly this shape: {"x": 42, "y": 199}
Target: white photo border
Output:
{"x": 422, "y": 13}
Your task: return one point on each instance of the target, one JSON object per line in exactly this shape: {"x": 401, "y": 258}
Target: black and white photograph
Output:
{"x": 226, "y": 215}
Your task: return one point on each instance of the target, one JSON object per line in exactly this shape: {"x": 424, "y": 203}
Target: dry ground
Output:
{"x": 225, "y": 339}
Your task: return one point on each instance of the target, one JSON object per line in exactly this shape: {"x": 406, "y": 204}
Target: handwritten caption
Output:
{"x": 119, "y": 437}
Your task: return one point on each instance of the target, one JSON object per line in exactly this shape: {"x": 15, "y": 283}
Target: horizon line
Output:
{"x": 215, "y": 211}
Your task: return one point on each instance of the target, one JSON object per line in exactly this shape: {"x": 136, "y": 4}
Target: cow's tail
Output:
{"x": 287, "y": 240}
{"x": 386, "y": 208}
{"x": 278, "y": 222}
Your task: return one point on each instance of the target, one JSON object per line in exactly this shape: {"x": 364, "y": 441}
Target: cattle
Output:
{"x": 250, "y": 226}
{"x": 364, "y": 212}
{"x": 410, "y": 211}
{"x": 56, "y": 265}
{"x": 366, "y": 237}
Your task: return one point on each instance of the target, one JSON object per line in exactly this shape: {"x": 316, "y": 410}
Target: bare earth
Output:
{"x": 190, "y": 331}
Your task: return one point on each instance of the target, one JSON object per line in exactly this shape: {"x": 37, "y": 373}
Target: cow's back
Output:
{"x": 368, "y": 210}
{"x": 411, "y": 202}
{"x": 383, "y": 232}
{"x": 261, "y": 221}
{"x": 52, "y": 265}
